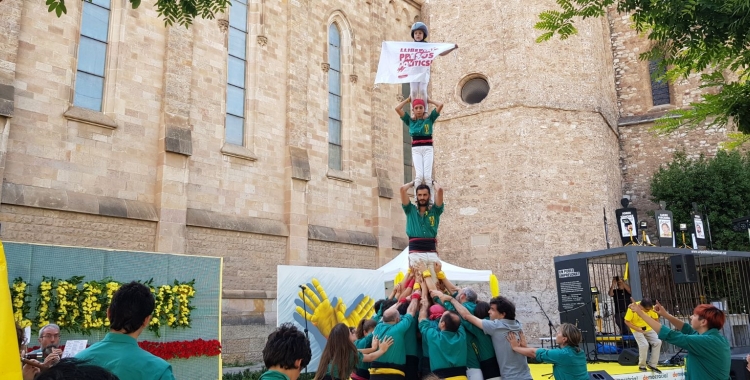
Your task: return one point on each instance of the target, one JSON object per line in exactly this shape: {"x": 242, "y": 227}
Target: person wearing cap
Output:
{"x": 418, "y": 90}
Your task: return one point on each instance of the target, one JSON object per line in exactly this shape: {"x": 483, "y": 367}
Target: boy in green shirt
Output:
{"x": 446, "y": 343}
{"x": 287, "y": 351}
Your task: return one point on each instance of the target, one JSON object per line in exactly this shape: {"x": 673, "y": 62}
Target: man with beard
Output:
{"x": 422, "y": 223}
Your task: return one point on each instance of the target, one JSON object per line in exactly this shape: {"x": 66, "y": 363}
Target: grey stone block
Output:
{"x": 211, "y": 219}
{"x": 112, "y": 207}
{"x": 179, "y": 140}
{"x": 334, "y": 235}
{"x": 300, "y": 163}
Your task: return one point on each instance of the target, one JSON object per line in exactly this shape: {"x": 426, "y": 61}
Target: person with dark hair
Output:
{"x": 502, "y": 320}
{"x": 364, "y": 341}
{"x": 484, "y": 351}
{"x": 619, "y": 290}
{"x": 446, "y": 344}
{"x": 287, "y": 351}
{"x": 644, "y": 335}
{"x": 341, "y": 357}
{"x": 568, "y": 360}
{"x": 709, "y": 356}
{"x": 422, "y": 222}
{"x": 129, "y": 314}
{"x": 75, "y": 369}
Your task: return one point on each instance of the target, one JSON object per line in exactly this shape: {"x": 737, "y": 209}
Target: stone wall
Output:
{"x": 36, "y": 225}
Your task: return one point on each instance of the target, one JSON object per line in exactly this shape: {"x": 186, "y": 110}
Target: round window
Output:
{"x": 475, "y": 90}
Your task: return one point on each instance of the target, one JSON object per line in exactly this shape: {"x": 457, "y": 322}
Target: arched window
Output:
{"x": 334, "y": 97}
{"x": 234, "y": 129}
{"x": 92, "y": 55}
{"x": 659, "y": 87}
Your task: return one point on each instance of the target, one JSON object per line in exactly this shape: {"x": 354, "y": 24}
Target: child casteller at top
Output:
{"x": 418, "y": 90}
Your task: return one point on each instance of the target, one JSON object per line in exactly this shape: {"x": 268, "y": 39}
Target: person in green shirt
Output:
{"x": 709, "y": 354}
{"x": 392, "y": 365}
{"x": 341, "y": 357}
{"x": 446, "y": 343}
{"x": 364, "y": 334}
{"x": 129, "y": 314}
{"x": 286, "y": 353}
{"x": 421, "y": 127}
{"x": 568, "y": 361}
{"x": 422, "y": 222}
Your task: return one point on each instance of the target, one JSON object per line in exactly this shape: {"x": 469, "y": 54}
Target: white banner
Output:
{"x": 333, "y": 295}
{"x": 408, "y": 62}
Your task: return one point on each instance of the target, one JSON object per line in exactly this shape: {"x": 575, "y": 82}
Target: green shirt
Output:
{"x": 120, "y": 354}
{"x": 421, "y": 127}
{"x": 472, "y": 345}
{"x": 396, "y": 354}
{"x": 425, "y": 347}
{"x": 363, "y": 343}
{"x": 709, "y": 356}
{"x": 422, "y": 226}
{"x": 447, "y": 349}
{"x": 273, "y": 375}
{"x": 411, "y": 347}
{"x": 567, "y": 364}
{"x": 334, "y": 372}
{"x": 481, "y": 342}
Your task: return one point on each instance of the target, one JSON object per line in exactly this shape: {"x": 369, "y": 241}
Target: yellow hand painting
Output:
{"x": 324, "y": 312}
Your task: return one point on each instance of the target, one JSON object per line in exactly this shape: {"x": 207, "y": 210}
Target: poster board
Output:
{"x": 331, "y": 286}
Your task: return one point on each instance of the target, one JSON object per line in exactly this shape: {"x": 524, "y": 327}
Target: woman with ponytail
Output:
{"x": 341, "y": 357}
{"x": 568, "y": 361}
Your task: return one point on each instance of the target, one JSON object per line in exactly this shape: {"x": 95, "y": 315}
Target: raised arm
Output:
{"x": 636, "y": 308}
{"x": 612, "y": 288}
{"x": 425, "y": 302}
{"x": 404, "y": 196}
{"x": 438, "y": 105}
{"x": 659, "y": 309}
{"x": 438, "y": 192}
{"x": 460, "y": 309}
{"x": 400, "y": 107}
{"x": 455, "y": 46}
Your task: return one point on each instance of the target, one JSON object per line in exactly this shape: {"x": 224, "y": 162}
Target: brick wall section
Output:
{"x": 327, "y": 254}
{"x": 632, "y": 78}
{"x": 642, "y": 153}
{"x": 35, "y": 225}
{"x": 249, "y": 259}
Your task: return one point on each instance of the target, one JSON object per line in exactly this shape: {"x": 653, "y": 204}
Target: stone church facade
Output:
{"x": 260, "y": 137}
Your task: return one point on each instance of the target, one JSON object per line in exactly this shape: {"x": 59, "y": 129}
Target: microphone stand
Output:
{"x": 549, "y": 322}
{"x": 304, "y": 304}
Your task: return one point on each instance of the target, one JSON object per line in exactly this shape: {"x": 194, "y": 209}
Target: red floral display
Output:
{"x": 180, "y": 349}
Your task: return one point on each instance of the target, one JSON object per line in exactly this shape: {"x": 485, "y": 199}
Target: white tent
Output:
{"x": 454, "y": 273}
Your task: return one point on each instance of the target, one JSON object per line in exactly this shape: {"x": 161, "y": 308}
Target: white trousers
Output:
{"x": 418, "y": 90}
{"x": 644, "y": 340}
{"x": 474, "y": 373}
{"x": 422, "y": 157}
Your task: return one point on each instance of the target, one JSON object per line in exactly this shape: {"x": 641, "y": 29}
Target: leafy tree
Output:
{"x": 710, "y": 37}
{"x": 721, "y": 184}
{"x": 180, "y": 11}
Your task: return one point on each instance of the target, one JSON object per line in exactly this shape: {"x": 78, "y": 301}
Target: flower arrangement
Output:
{"x": 179, "y": 349}
{"x": 44, "y": 304}
{"x": 183, "y": 349}
{"x": 81, "y": 307}
{"x": 20, "y": 296}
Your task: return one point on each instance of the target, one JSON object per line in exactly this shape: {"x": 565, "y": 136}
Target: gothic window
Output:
{"x": 659, "y": 87}
{"x": 334, "y": 97}
{"x": 234, "y": 130}
{"x": 92, "y": 55}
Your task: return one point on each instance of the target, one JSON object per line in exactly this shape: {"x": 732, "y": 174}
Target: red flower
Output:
{"x": 182, "y": 349}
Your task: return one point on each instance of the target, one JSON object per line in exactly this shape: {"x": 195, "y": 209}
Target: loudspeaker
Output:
{"x": 600, "y": 375}
{"x": 683, "y": 269}
{"x": 738, "y": 368}
{"x": 628, "y": 356}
